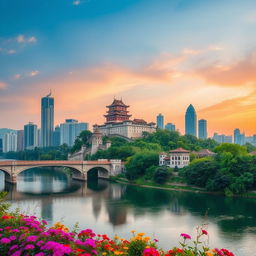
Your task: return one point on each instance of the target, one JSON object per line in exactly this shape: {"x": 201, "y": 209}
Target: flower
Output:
{"x": 185, "y": 236}
{"x": 5, "y": 241}
{"x": 150, "y": 252}
{"x": 204, "y": 232}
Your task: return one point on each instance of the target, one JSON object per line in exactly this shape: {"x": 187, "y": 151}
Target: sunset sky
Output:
{"x": 159, "y": 56}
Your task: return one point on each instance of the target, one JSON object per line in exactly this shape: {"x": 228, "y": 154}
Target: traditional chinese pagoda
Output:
{"x": 117, "y": 112}
{"x": 118, "y": 122}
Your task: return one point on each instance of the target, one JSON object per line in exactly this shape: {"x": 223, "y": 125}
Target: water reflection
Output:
{"x": 114, "y": 208}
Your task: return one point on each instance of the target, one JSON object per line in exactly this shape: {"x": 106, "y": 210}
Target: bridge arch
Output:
{"x": 22, "y": 169}
{"x": 102, "y": 172}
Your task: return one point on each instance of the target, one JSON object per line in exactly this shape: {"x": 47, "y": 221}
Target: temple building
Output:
{"x": 118, "y": 122}
{"x": 179, "y": 157}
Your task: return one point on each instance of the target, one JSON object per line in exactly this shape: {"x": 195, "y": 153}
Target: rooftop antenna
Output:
{"x": 49, "y": 93}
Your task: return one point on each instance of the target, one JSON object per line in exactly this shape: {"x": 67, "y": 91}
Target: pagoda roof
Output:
{"x": 117, "y": 103}
{"x": 205, "y": 152}
{"x": 139, "y": 121}
{"x": 179, "y": 150}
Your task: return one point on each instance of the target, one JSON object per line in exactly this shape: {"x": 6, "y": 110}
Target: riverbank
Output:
{"x": 175, "y": 187}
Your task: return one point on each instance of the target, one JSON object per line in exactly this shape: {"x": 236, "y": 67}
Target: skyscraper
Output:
{"x": 202, "y": 129}
{"x": 30, "y": 136}
{"x": 191, "y": 121}
{"x": 20, "y": 140}
{"x": 47, "y": 120}
{"x": 160, "y": 121}
{"x": 56, "y": 136}
{"x": 70, "y": 130}
{"x": 10, "y": 142}
{"x": 170, "y": 127}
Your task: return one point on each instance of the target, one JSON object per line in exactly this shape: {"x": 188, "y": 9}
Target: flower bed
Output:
{"x": 22, "y": 235}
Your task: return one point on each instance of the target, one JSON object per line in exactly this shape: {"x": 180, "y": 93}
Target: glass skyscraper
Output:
{"x": 160, "y": 121}
{"x": 191, "y": 121}
{"x": 47, "y": 120}
{"x": 202, "y": 129}
{"x": 30, "y": 136}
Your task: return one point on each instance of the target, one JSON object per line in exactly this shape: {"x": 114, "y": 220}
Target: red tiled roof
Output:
{"x": 179, "y": 150}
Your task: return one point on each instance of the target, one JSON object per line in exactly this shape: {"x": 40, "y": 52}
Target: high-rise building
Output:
{"x": 202, "y": 129}
{"x": 191, "y": 121}
{"x": 70, "y": 130}
{"x": 10, "y": 142}
{"x": 20, "y": 140}
{"x": 239, "y": 138}
{"x": 1, "y": 145}
{"x": 56, "y": 136}
{"x": 160, "y": 121}
{"x": 47, "y": 120}
{"x": 30, "y": 136}
{"x": 222, "y": 138}
{"x": 170, "y": 127}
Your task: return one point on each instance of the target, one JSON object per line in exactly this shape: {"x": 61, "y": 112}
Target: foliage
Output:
{"x": 161, "y": 174}
{"x": 137, "y": 164}
{"x": 83, "y": 139}
{"x": 3, "y": 205}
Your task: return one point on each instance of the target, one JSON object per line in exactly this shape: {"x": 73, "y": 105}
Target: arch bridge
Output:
{"x": 106, "y": 168}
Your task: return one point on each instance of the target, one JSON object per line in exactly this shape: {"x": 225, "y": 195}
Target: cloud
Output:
{"x": 76, "y": 2}
{"x": 33, "y": 73}
{"x": 240, "y": 73}
{"x": 21, "y": 39}
{"x": 3, "y": 85}
{"x": 17, "y": 76}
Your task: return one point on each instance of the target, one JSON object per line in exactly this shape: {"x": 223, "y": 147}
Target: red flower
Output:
{"x": 204, "y": 232}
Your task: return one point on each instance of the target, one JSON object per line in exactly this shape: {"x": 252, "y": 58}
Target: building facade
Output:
{"x": 191, "y": 121}
{"x": 160, "y": 121}
{"x": 10, "y": 142}
{"x": 170, "y": 127}
{"x": 179, "y": 158}
{"x": 222, "y": 138}
{"x": 56, "y": 136}
{"x": 20, "y": 140}
{"x": 239, "y": 138}
{"x": 118, "y": 122}
{"x": 30, "y": 136}
{"x": 70, "y": 130}
{"x": 202, "y": 129}
{"x": 47, "y": 120}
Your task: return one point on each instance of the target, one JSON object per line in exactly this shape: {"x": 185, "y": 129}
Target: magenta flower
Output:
{"x": 185, "y": 236}
{"x": 5, "y": 241}
{"x": 12, "y": 238}
{"x": 90, "y": 242}
{"x": 32, "y": 238}
{"x": 29, "y": 247}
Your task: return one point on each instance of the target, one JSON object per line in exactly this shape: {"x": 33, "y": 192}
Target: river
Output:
{"x": 113, "y": 208}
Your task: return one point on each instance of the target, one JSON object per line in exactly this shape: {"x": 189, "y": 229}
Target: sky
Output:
{"x": 159, "y": 56}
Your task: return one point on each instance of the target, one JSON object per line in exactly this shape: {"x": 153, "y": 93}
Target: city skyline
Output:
{"x": 159, "y": 55}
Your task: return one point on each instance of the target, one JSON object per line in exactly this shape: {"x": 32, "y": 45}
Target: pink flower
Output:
{"x": 150, "y": 252}
{"x": 185, "y": 236}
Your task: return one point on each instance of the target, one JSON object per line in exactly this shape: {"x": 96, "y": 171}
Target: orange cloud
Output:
{"x": 237, "y": 74}
{"x": 233, "y": 113}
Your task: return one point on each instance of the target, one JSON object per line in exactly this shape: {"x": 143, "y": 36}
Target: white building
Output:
{"x": 10, "y": 142}
{"x": 70, "y": 130}
{"x": 175, "y": 158}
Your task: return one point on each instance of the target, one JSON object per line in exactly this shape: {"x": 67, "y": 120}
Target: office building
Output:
{"x": 170, "y": 127}
{"x": 56, "y": 136}
{"x": 70, "y": 130}
{"x": 239, "y": 138}
{"x": 20, "y": 140}
{"x": 160, "y": 121}
{"x": 47, "y": 120}
{"x": 191, "y": 121}
{"x": 10, "y": 142}
{"x": 222, "y": 138}
{"x": 30, "y": 136}
{"x": 202, "y": 129}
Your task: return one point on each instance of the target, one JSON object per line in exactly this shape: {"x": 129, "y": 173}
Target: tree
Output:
{"x": 161, "y": 175}
{"x": 82, "y": 139}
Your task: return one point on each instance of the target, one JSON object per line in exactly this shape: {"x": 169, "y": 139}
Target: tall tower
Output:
{"x": 202, "y": 129}
{"x": 160, "y": 121}
{"x": 47, "y": 120}
{"x": 190, "y": 121}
